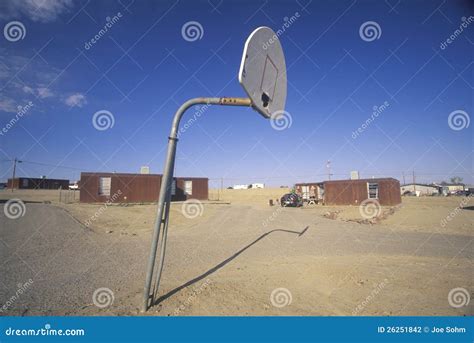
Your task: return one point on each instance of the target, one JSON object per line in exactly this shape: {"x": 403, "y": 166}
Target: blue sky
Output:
{"x": 142, "y": 69}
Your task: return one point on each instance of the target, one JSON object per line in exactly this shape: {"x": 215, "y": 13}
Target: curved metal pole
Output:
{"x": 163, "y": 242}
{"x": 165, "y": 189}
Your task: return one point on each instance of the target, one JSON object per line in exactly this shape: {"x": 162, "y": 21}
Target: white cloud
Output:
{"x": 33, "y": 73}
{"x": 36, "y": 10}
{"x": 76, "y": 99}
{"x": 40, "y": 92}
{"x": 35, "y": 78}
{"x": 44, "y": 92}
{"x": 28, "y": 90}
{"x": 8, "y": 105}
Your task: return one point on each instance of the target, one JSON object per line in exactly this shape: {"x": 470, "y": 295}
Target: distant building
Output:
{"x": 420, "y": 189}
{"x": 355, "y": 175}
{"x": 240, "y": 187}
{"x": 252, "y": 185}
{"x": 352, "y": 192}
{"x": 453, "y": 187}
{"x": 124, "y": 187}
{"x": 37, "y": 183}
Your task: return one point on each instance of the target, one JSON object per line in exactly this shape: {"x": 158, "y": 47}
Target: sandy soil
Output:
{"x": 243, "y": 257}
{"x": 39, "y": 195}
{"x": 423, "y": 214}
{"x": 256, "y": 197}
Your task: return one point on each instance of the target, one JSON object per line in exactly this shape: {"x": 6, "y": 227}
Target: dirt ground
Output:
{"x": 451, "y": 215}
{"x": 240, "y": 256}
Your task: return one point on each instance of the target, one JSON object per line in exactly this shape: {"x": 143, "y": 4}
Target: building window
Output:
{"x": 104, "y": 185}
{"x": 373, "y": 190}
{"x": 188, "y": 187}
{"x": 173, "y": 187}
{"x": 24, "y": 183}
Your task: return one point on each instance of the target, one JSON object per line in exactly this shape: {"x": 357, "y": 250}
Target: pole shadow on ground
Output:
{"x": 223, "y": 263}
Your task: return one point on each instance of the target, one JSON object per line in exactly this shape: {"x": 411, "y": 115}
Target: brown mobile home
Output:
{"x": 124, "y": 187}
{"x": 37, "y": 183}
{"x": 353, "y": 192}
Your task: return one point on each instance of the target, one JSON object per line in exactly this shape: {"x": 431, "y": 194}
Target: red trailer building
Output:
{"x": 352, "y": 192}
{"x": 37, "y": 183}
{"x": 137, "y": 188}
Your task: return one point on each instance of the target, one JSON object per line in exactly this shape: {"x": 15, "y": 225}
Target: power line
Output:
{"x": 387, "y": 174}
{"x": 46, "y": 164}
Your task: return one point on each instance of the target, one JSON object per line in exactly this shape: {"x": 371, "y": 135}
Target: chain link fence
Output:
{"x": 68, "y": 196}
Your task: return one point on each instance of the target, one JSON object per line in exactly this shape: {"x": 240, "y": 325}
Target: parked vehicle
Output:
{"x": 291, "y": 200}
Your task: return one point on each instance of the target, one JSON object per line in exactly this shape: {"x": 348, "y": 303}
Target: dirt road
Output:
{"x": 232, "y": 260}
{"x": 64, "y": 260}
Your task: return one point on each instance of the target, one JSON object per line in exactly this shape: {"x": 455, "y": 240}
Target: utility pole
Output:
{"x": 15, "y": 161}
{"x": 403, "y": 174}
{"x": 328, "y": 166}
{"x": 414, "y": 184}
{"x": 222, "y": 188}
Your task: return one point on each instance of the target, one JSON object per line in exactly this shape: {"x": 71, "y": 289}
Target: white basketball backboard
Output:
{"x": 263, "y": 71}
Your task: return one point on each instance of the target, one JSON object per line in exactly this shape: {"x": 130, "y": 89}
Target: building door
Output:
{"x": 320, "y": 193}
{"x": 305, "y": 192}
